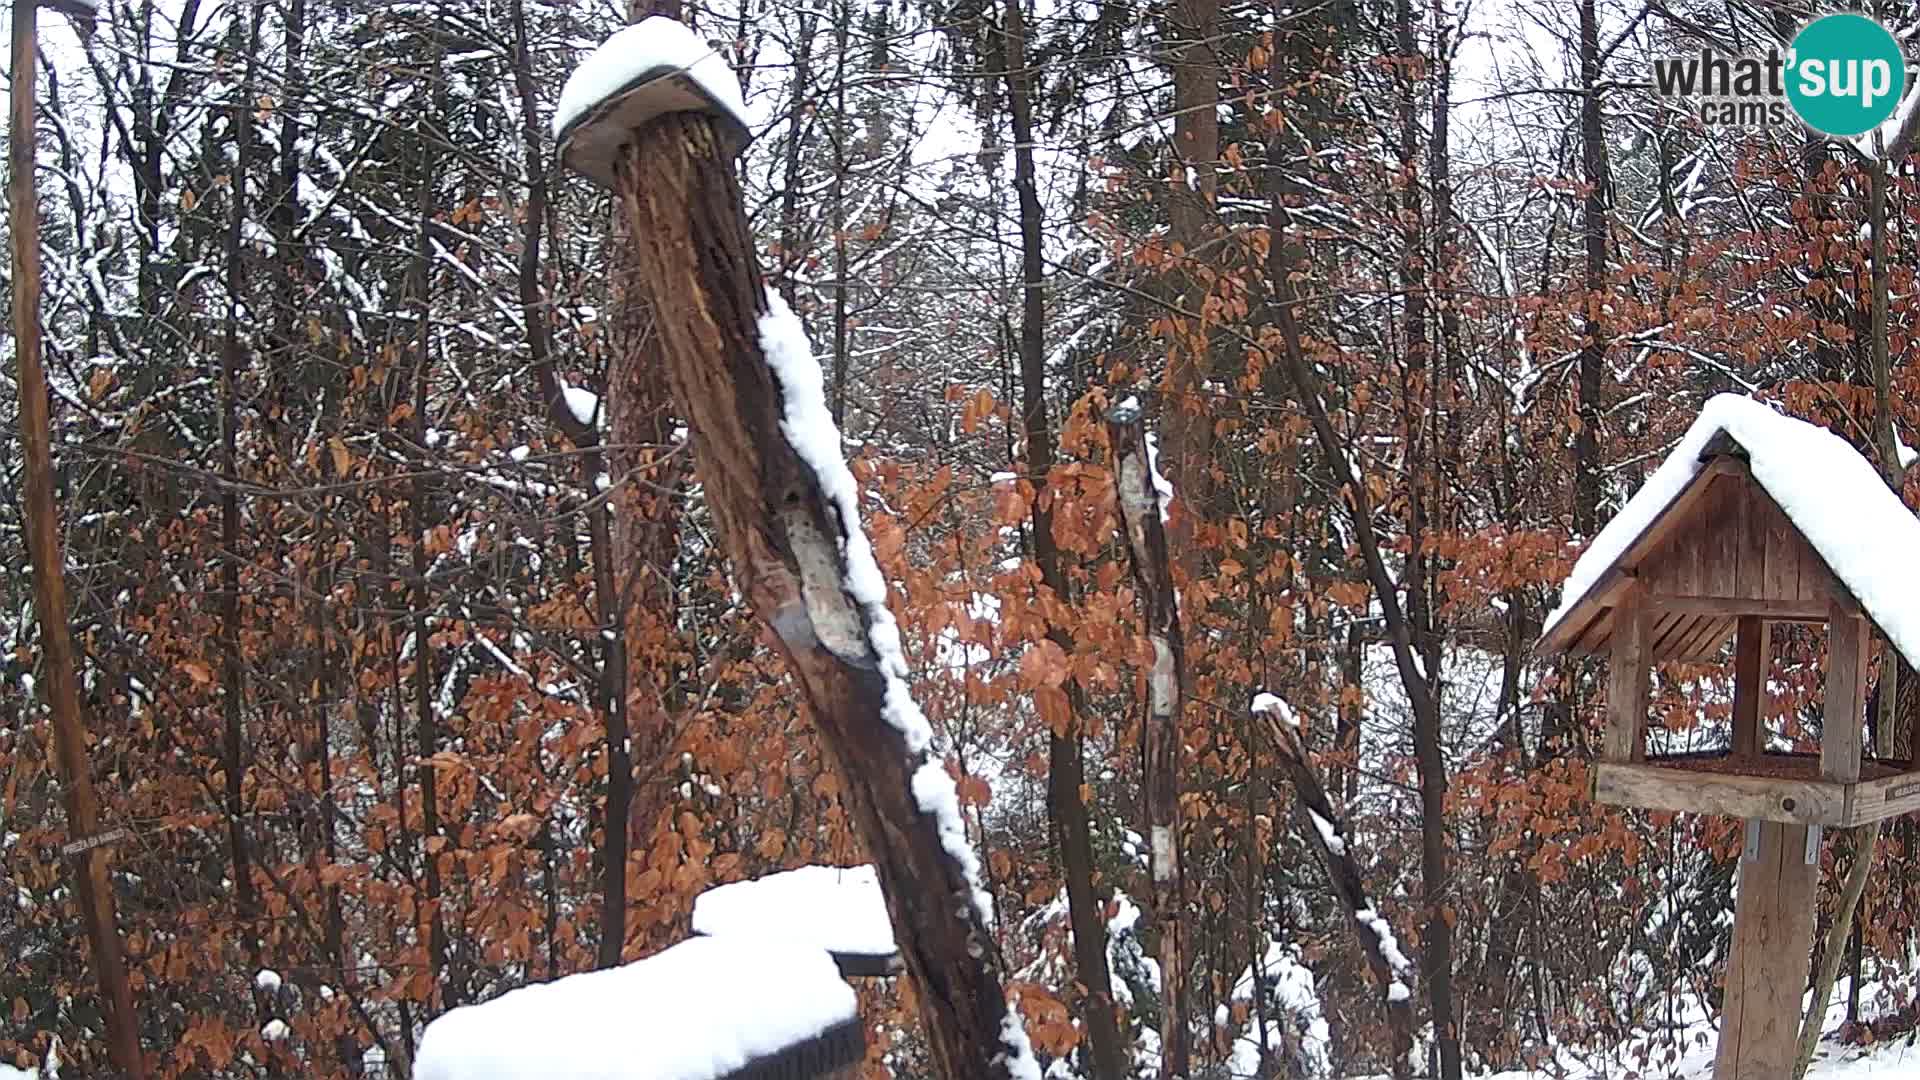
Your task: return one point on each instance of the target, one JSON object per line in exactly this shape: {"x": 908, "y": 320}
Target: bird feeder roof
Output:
{"x": 1839, "y": 512}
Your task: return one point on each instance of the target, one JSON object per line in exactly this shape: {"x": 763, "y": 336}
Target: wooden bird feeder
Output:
{"x": 1728, "y": 539}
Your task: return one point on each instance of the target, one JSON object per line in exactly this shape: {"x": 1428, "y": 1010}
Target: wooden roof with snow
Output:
{"x": 1753, "y": 513}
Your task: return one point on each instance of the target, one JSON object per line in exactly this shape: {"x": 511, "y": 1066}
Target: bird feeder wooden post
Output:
{"x": 1715, "y": 558}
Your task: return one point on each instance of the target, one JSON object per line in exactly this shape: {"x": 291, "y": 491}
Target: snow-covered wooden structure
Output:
{"x": 709, "y": 1008}
{"x": 1754, "y": 519}
{"x": 836, "y": 908}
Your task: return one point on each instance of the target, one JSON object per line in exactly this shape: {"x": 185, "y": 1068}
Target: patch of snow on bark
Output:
{"x": 1328, "y": 834}
{"x": 584, "y": 404}
{"x": 1389, "y": 945}
{"x": 1264, "y": 702}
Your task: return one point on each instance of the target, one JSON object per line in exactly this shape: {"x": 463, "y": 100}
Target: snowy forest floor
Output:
{"x": 1688, "y": 1053}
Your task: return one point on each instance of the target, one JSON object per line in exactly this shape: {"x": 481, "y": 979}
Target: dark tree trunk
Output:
{"x": 1593, "y": 352}
{"x": 610, "y": 688}
{"x": 426, "y": 723}
{"x": 1066, "y": 770}
{"x": 1437, "y": 952}
{"x": 233, "y": 361}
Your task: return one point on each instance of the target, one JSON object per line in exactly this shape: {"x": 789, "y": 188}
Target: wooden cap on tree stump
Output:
{"x": 645, "y": 71}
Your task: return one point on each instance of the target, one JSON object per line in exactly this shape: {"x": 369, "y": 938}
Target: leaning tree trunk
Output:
{"x": 1325, "y": 832}
{"x": 788, "y": 537}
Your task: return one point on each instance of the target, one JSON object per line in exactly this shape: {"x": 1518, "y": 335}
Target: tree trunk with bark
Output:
{"x": 1593, "y": 213}
{"x": 1137, "y": 491}
{"x": 1322, "y": 828}
{"x": 783, "y": 535}
{"x": 1066, "y": 773}
{"x": 93, "y": 889}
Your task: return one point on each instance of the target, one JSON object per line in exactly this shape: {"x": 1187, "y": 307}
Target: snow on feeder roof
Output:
{"x": 836, "y": 908}
{"x": 654, "y": 67}
{"x": 1859, "y": 532}
{"x": 708, "y": 1008}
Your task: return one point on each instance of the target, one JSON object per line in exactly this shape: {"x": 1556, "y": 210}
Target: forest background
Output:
{"x": 357, "y": 581}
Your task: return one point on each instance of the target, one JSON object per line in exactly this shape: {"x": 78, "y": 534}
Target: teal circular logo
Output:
{"x": 1845, "y": 75}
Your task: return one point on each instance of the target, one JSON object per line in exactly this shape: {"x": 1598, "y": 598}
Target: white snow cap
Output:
{"x": 836, "y": 908}
{"x": 1264, "y": 702}
{"x": 650, "y": 44}
{"x": 275, "y": 1030}
{"x": 584, "y": 404}
{"x": 700, "y": 1010}
{"x": 267, "y": 980}
{"x": 1831, "y": 494}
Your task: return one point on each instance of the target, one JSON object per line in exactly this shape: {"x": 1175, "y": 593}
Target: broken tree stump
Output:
{"x": 790, "y": 542}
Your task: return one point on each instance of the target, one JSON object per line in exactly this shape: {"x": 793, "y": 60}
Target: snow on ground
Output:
{"x": 1685, "y": 1052}
{"x": 1890, "y": 1061}
{"x": 648, "y": 45}
{"x": 698, "y": 1010}
{"x": 1829, "y": 492}
{"x": 1293, "y": 1030}
{"x": 836, "y": 908}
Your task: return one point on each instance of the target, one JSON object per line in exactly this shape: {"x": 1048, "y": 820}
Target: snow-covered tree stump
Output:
{"x": 786, "y": 508}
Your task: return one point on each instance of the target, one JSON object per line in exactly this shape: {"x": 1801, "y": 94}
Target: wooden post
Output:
{"x": 1849, "y": 639}
{"x": 1767, "y": 968}
{"x": 784, "y": 538}
{"x": 92, "y": 887}
{"x": 1628, "y": 678}
{"x": 1751, "y": 651}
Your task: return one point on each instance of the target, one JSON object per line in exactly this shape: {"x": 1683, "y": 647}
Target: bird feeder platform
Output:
{"x": 1786, "y": 788}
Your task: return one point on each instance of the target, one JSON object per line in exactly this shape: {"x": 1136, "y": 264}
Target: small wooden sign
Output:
{"x": 88, "y": 843}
